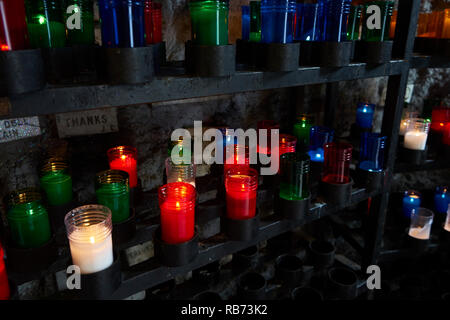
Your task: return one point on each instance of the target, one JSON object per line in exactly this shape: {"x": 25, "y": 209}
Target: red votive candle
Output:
{"x": 337, "y": 160}
{"x": 124, "y": 158}
{"x": 233, "y": 160}
{"x": 4, "y": 285}
{"x": 13, "y": 26}
{"x": 177, "y": 206}
{"x": 269, "y": 125}
{"x": 148, "y": 21}
{"x": 439, "y": 117}
{"x": 241, "y": 184}
{"x": 446, "y": 134}
{"x": 157, "y": 22}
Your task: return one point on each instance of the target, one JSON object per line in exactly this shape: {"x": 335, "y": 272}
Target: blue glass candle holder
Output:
{"x": 277, "y": 21}
{"x": 364, "y": 115}
{"x": 319, "y": 136}
{"x": 442, "y": 199}
{"x": 245, "y": 22}
{"x": 372, "y": 148}
{"x": 336, "y": 14}
{"x": 411, "y": 200}
{"x": 308, "y": 20}
{"x": 123, "y": 23}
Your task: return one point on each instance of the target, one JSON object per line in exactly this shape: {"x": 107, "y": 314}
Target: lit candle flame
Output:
{"x": 92, "y": 239}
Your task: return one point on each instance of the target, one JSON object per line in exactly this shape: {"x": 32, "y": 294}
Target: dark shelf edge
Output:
{"x": 421, "y": 62}
{"x": 136, "y": 280}
{"x": 77, "y": 98}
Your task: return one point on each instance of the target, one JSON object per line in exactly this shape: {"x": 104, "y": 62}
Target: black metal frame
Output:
{"x": 179, "y": 86}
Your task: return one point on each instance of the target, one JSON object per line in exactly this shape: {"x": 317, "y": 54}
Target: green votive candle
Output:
{"x": 255, "y": 21}
{"x": 113, "y": 191}
{"x": 294, "y": 176}
{"x": 382, "y": 33}
{"x": 209, "y": 22}
{"x": 85, "y": 11}
{"x": 56, "y": 181}
{"x": 28, "y": 219}
{"x": 45, "y": 21}
{"x": 302, "y": 130}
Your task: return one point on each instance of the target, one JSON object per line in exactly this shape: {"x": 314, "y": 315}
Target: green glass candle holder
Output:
{"x": 382, "y": 33}
{"x": 85, "y": 34}
{"x": 302, "y": 129}
{"x": 113, "y": 191}
{"x": 56, "y": 181}
{"x": 255, "y": 21}
{"x": 209, "y": 22}
{"x": 354, "y": 22}
{"x": 28, "y": 219}
{"x": 294, "y": 180}
{"x": 45, "y": 21}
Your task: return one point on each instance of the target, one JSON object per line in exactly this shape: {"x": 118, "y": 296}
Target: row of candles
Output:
{"x": 337, "y": 20}
{"x": 42, "y": 23}
{"x": 415, "y": 130}
{"x": 435, "y": 24}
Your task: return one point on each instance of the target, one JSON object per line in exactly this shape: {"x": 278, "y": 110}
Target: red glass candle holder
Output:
{"x": 124, "y": 158}
{"x": 446, "y": 134}
{"x": 177, "y": 206}
{"x": 4, "y": 285}
{"x": 13, "y": 28}
{"x": 235, "y": 159}
{"x": 439, "y": 117}
{"x": 241, "y": 184}
{"x": 157, "y": 22}
{"x": 337, "y": 163}
{"x": 287, "y": 143}
{"x": 269, "y": 125}
{"x": 148, "y": 21}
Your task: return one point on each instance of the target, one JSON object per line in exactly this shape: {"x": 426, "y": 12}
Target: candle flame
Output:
{"x": 92, "y": 239}
{"x": 123, "y": 157}
{"x": 177, "y": 204}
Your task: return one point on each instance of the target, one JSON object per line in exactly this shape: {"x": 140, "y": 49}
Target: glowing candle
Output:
{"x": 416, "y": 134}
{"x": 89, "y": 231}
{"x": 124, "y": 158}
{"x": 56, "y": 181}
{"x": 241, "y": 184}
{"x": 177, "y": 206}
{"x": 411, "y": 201}
{"x": 4, "y": 285}
{"x": 421, "y": 221}
{"x": 441, "y": 199}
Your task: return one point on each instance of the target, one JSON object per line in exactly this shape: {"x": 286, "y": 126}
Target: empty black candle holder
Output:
{"x": 84, "y": 63}
{"x": 252, "y": 286}
{"x": 59, "y": 65}
{"x": 23, "y": 70}
{"x": 306, "y": 294}
{"x": 336, "y": 193}
{"x": 310, "y": 52}
{"x": 426, "y": 45}
{"x": 321, "y": 253}
{"x": 207, "y": 217}
{"x": 30, "y": 260}
{"x": 129, "y": 65}
{"x": 210, "y": 61}
{"x": 174, "y": 255}
{"x": 444, "y": 47}
{"x": 246, "y": 259}
{"x": 241, "y": 229}
{"x": 125, "y": 230}
{"x": 102, "y": 284}
{"x": 336, "y": 54}
{"x": 289, "y": 269}
{"x": 159, "y": 55}
{"x": 342, "y": 283}
{"x": 414, "y": 157}
{"x": 292, "y": 209}
{"x": 258, "y": 54}
{"x": 417, "y": 246}
{"x": 371, "y": 180}
{"x": 208, "y": 296}
{"x": 242, "y": 51}
{"x": 282, "y": 57}
{"x": 373, "y": 52}
{"x": 207, "y": 275}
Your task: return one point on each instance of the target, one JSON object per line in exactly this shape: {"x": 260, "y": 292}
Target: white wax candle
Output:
{"x": 415, "y": 140}
{"x": 420, "y": 233}
{"x": 89, "y": 251}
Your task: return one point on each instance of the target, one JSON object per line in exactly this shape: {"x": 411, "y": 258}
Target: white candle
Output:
{"x": 90, "y": 249}
{"x": 415, "y": 140}
{"x": 420, "y": 233}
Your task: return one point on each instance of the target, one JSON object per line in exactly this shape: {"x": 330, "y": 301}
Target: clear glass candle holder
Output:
{"x": 89, "y": 230}
{"x": 421, "y": 221}
{"x": 416, "y": 134}
{"x": 180, "y": 172}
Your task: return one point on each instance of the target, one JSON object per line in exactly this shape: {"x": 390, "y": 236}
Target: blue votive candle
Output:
{"x": 411, "y": 200}
{"x": 441, "y": 199}
{"x": 364, "y": 115}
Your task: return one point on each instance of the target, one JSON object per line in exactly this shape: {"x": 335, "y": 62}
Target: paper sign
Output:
{"x": 87, "y": 122}
{"x": 19, "y": 128}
